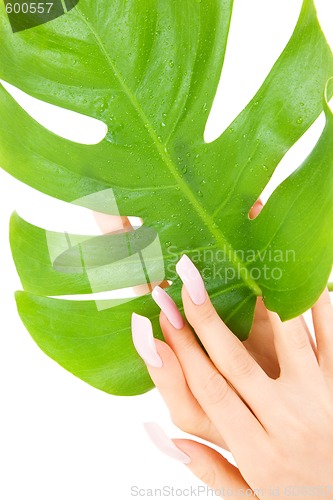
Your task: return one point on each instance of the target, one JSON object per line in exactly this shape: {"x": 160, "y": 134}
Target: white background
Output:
{"x": 59, "y": 437}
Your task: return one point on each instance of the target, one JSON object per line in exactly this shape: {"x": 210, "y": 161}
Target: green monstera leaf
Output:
{"x": 149, "y": 70}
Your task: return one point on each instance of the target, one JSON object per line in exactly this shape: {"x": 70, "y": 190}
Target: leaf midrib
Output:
{"x": 162, "y": 150}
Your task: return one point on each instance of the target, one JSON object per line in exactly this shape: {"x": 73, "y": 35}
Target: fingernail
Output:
{"x": 143, "y": 340}
{"x": 164, "y": 443}
{"x": 165, "y": 302}
{"x": 191, "y": 278}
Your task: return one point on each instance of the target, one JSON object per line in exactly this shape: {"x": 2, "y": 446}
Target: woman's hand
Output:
{"x": 277, "y": 420}
{"x": 260, "y": 342}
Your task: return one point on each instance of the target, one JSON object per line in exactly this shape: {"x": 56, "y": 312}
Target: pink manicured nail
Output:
{"x": 191, "y": 278}
{"x": 164, "y": 443}
{"x": 165, "y": 302}
{"x": 143, "y": 340}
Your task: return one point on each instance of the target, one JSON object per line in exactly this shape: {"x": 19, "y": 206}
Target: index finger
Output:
{"x": 223, "y": 347}
{"x": 236, "y": 423}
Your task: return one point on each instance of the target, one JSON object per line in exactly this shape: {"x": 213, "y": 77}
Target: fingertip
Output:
{"x": 256, "y": 209}
{"x": 192, "y": 280}
{"x": 165, "y": 323}
{"x": 189, "y": 305}
{"x": 169, "y": 307}
{"x": 165, "y": 353}
{"x": 164, "y": 443}
{"x": 188, "y": 446}
{"x": 170, "y": 333}
{"x": 203, "y": 315}
{"x": 186, "y": 299}
{"x": 144, "y": 341}
{"x": 210, "y": 466}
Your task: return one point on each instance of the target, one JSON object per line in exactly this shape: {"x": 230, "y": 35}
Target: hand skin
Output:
{"x": 269, "y": 399}
{"x": 279, "y": 430}
{"x": 260, "y": 342}
{"x": 190, "y": 417}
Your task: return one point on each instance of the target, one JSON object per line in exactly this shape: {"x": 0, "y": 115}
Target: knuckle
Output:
{"x": 208, "y": 476}
{"x": 188, "y": 425}
{"x": 297, "y": 337}
{"x": 187, "y": 342}
{"x": 241, "y": 363}
{"x": 185, "y": 424}
{"x": 215, "y": 390}
{"x": 179, "y": 422}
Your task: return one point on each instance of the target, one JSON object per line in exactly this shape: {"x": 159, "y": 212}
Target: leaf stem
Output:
{"x": 330, "y": 286}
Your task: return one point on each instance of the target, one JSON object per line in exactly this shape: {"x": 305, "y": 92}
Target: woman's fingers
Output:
{"x": 256, "y": 209}
{"x": 214, "y": 470}
{"x": 322, "y": 314}
{"x": 205, "y": 463}
{"x": 260, "y": 343}
{"x": 226, "y": 351}
{"x": 296, "y": 356}
{"x": 233, "y": 419}
{"x": 167, "y": 375}
{"x": 112, "y": 223}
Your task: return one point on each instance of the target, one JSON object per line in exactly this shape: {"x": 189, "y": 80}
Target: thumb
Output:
{"x": 205, "y": 463}
{"x": 214, "y": 470}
